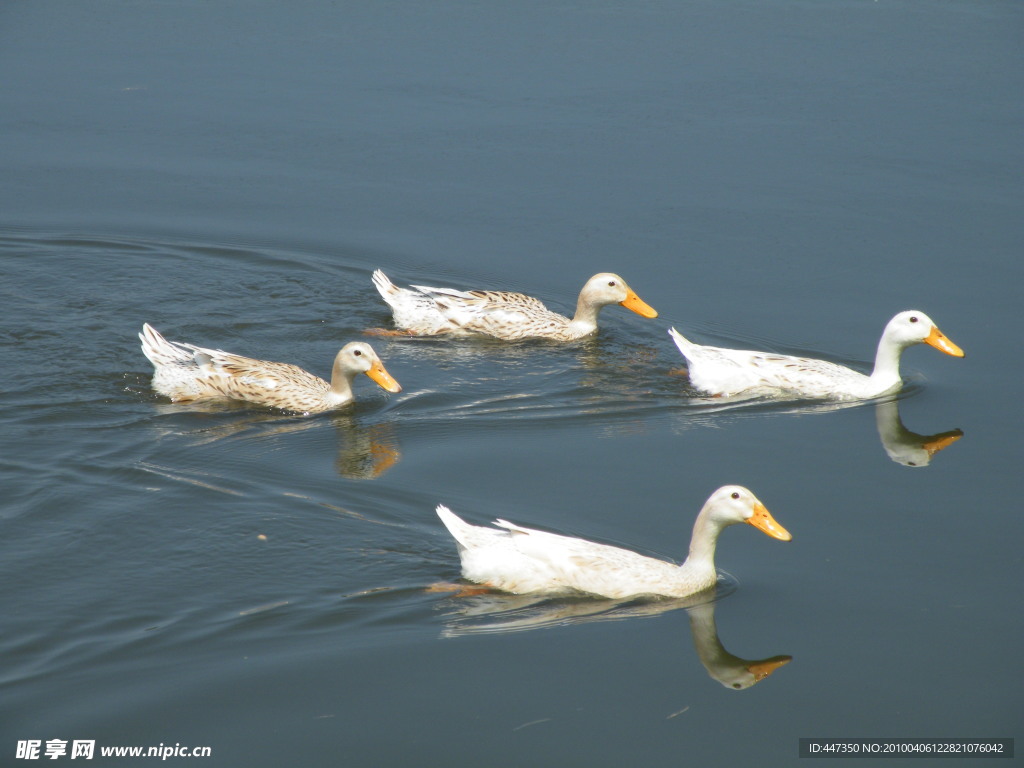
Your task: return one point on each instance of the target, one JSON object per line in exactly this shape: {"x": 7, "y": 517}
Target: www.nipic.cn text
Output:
{"x": 52, "y": 749}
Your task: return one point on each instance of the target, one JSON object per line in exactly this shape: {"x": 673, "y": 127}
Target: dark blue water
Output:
{"x": 783, "y": 176}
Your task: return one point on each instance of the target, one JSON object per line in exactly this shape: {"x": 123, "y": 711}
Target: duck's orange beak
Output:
{"x": 383, "y": 378}
{"x": 762, "y": 520}
{"x": 938, "y": 340}
{"x": 634, "y": 303}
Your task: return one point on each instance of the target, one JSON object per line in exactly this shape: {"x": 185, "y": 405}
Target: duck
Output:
{"x": 524, "y": 560}
{"x": 185, "y": 373}
{"x": 424, "y": 311}
{"x": 719, "y": 371}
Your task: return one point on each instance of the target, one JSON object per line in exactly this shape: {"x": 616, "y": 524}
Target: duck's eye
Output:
{"x": 913, "y": 318}
{"x": 735, "y": 495}
{"x": 611, "y": 283}
{"x": 357, "y": 352}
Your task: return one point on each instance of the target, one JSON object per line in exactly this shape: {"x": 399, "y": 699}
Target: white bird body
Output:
{"x": 185, "y": 372}
{"x": 422, "y": 310}
{"x": 723, "y": 371}
{"x": 525, "y": 560}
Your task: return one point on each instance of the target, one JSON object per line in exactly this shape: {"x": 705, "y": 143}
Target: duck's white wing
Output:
{"x": 724, "y": 371}
{"x": 587, "y": 566}
{"x": 802, "y": 375}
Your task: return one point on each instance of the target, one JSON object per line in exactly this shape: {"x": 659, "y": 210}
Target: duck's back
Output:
{"x": 562, "y": 563}
{"x": 502, "y": 314}
{"x": 185, "y": 372}
{"x": 279, "y": 385}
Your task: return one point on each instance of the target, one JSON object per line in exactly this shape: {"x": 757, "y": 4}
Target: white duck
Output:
{"x": 525, "y": 560}
{"x": 720, "y": 371}
{"x": 425, "y": 311}
{"x": 185, "y": 372}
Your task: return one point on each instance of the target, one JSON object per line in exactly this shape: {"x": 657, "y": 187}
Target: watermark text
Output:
{"x": 82, "y": 749}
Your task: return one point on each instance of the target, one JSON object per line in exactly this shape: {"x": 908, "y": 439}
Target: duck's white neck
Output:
{"x": 700, "y": 563}
{"x": 341, "y": 382}
{"x": 886, "y": 375}
{"x": 585, "y": 319}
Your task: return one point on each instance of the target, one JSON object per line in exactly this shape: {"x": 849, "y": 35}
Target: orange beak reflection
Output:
{"x": 762, "y": 520}
{"x": 383, "y": 378}
{"x": 761, "y": 669}
{"x": 939, "y": 442}
{"x": 938, "y": 340}
{"x": 635, "y": 304}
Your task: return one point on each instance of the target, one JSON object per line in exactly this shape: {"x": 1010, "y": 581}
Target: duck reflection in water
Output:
{"x": 487, "y": 612}
{"x": 903, "y": 446}
{"x": 365, "y": 451}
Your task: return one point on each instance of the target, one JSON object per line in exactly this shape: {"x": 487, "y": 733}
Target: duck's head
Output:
{"x": 359, "y": 357}
{"x": 915, "y": 327}
{"x": 732, "y": 504}
{"x": 608, "y": 288}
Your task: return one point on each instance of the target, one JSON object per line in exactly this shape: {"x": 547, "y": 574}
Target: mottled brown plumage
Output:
{"x": 424, "y": 311}
{"x": 185, "y": 372}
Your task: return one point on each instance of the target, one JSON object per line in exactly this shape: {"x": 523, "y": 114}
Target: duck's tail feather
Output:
{"x": 683, "y": 343}
{"x": 384, "y": 286}
{"x": 159, "y": 350}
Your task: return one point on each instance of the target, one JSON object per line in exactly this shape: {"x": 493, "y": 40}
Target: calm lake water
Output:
{"x": 782, "y": 175}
